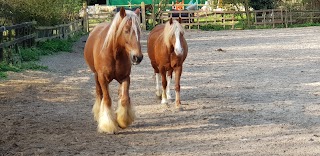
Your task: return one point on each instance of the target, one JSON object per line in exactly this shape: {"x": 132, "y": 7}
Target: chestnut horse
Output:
{"x": 109, "y": 52}
{"x": 167, "y": 50}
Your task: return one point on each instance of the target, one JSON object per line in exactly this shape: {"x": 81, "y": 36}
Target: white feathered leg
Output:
{"x": 158, "y": 91}
{"x": 107, "y": 121}
{"x": 168, "y": 88}
{"x": 96, "y": 109}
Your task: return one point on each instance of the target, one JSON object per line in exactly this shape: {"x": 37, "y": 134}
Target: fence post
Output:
{"x": 233, "y": 20}
{"x": 33, "y": 31}
{"x": 286, "y": 18}
{"x": 1, "y": 41}
{"x": 153, "y": 13}
{"x": 143, "y": 14}
{"x": 198, "y": 20}
{"x": 273, "y": 22}
{"x": 223, "y": 20}
{"x": 311, "y": 17}
{"x": 264, "y": 18}
{"x": 85, "y": 17}
{"x": 246, "y": 6}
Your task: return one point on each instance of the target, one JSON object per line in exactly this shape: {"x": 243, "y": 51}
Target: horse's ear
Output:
{"x": 180, "y": 20}
{"x": 137, "y": 11}
{"x": 170, "y": 21}
{"x": 122, "y": 12}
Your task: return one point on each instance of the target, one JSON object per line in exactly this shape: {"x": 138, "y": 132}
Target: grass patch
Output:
{"x": 210, "y": 27}
{"x": 4, "y": 67}
{"x": 304, "y": 25}
{"x": 30, "y": 56}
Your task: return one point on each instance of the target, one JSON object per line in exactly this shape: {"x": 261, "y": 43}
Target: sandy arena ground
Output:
{"x": 259, "y": 96}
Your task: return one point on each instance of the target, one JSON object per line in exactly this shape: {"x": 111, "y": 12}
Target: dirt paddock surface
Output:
{"x": 260, "y": 95}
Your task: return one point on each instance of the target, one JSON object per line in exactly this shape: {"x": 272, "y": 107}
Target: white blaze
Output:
{"x": 177, "y": 47}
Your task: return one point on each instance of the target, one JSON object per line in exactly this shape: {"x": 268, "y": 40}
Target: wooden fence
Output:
{"x": 26, "y": 35}
{"x": 96, "y": 18}
{"x": 200, "y": 18}
{"x": 226, "y": 19}
{"x": 265, "y": 18}
{"x": 62, "y": 31}
{"x": 12, "y": 36}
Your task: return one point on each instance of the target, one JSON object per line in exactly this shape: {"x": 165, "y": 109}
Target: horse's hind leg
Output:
{"x": 125, "y": 112}
{"x": 106, "y": 122}
{"x": 156, "y": 71}
{"x": 96, "y": 106}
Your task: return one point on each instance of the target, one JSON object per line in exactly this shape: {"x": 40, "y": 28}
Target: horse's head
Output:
{"x": 128, "y": 35}
{"x": 173, "y": 35}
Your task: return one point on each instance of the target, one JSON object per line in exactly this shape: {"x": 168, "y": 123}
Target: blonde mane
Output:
{"x": 169, "y": 31}
{"x": 118, "y": 24}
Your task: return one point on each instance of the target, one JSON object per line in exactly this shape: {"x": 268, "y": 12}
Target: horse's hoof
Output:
{"x": 179, "y": 108}
{"x": 158, "y": 97}
{"x": 164, "y": 101}
{"x": 108, "y": 130}
{"x": 107, "y": 123}
{"x": 165, "y": 105}
{"x": 158, "y": 94}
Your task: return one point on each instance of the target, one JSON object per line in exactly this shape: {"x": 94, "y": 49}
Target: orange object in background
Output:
{"x": 179, "y": 5}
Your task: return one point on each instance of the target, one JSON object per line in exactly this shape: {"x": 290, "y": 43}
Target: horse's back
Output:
{"x": 94, "y": 43}
{"x": 152, "y": 40}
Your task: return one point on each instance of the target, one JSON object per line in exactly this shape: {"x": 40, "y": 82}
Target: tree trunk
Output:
{"x": 246, "y": 5}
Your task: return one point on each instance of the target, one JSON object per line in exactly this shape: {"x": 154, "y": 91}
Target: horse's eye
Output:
{"x": 127, "y": 31}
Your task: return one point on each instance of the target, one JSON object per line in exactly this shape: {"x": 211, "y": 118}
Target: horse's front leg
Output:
{"x": 158, "y": 90}
{"x": 178, "y": 71}
{"x": 107, "y": 121}
{"x": 164, "y": 99}
{"x": 169, "y": 77}
{"x": 125, "y": 112}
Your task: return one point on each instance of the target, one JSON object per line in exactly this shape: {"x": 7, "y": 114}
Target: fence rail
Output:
{"x": 10, "y": 36}
{"x": 225, "y": 19}
{"x": 16, "y": 34}
{"x": 60, "y": 31}
{"x": 26, "y": 34}
{"x": 270, "y": 17}
{"x": 96, "y": 18}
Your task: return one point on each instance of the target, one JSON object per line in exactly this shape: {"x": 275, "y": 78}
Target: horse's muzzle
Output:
{"x": 136, "y": 59}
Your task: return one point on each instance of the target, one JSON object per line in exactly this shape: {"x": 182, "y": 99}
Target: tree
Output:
{"x": 262, "y": 4}
{"x": 48, "y": 12}
{"x": 311, "y": 4}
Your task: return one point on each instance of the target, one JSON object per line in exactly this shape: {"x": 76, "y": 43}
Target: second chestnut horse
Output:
{"x": 167, "y": 50}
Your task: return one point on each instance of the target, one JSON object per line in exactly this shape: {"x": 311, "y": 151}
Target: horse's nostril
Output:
{"x": 140, "y": 58}
{"x": 135, "y": 58}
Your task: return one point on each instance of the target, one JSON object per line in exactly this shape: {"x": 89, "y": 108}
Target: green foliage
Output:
{"x": 31, "y": 55}
{"x": 210, "y": 27}
{"x": 46, "y": 13}
{"x": 7, "y": 67}
{"x": 262, "y": 4}
{"x": 56, "y": 45}
{"x": 304, "y": 25}
{"x": 32, "y": 66}
{"x": 4, "y": 67}
{"x": 3, "y": 75}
